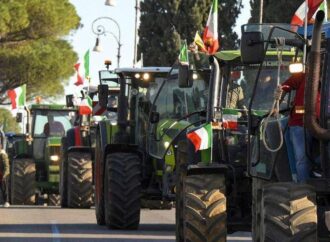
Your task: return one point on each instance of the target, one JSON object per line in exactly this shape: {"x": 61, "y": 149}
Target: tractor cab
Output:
{"x": 273, "y": 152}
{"x": 127, "y": 95}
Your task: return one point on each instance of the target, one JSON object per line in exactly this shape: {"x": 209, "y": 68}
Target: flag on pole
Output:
{"x": 324, "y": 8}
{"x": 201, "y": 137}
{"x": 199, "y": 42}
{"x": 80, "y": 80}
{"x": 86, "y": 106}
{"x": 86, "y": 65}
{"x": 229, "y": 119}
{"x": 17, "y": 96}
{"x": 299, "y": 16}
{"x": 210, "y": 35}
{"x": 183, "y": 56}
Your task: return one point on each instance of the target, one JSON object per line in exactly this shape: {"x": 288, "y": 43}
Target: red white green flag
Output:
{"x": 86, "y": 106}
{"x": 229, "y": 119}
{"x": 210, "y": 35}
{"x": 17, "y": 96}
{"x": 201, "y": 137}
{"x": 299, "y": 16}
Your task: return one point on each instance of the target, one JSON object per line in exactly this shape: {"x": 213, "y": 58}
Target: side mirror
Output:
{"x": 154, "y": 117}
{"x": 19, "y": 117}
{"x": 252, "y": 48}
{"x": 185, "y": 79}
{"x": 69, "y": 100}
{"x": 103, "y": 91}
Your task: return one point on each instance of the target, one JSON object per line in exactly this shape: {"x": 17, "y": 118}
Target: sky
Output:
{"x": 124, "y": 14}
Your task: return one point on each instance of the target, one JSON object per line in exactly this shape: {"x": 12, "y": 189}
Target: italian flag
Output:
{"x": 183, "y": 56}
{"x": 80, "y": 77}
{"x": 17, "y": 96}
{"x": 201, "y": 137}
{"x": 86, "y": 106}
{"x": 229, "y": 119}
{"x": 210, "y": 35}
{"x": 313, "y": 6}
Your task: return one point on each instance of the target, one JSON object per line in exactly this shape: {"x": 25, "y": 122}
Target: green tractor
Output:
{"x": 76, "y": 173}
{"x": 36, "y": 158}
{"x": 123, "y": 171}
{"x": 284, "y": 209}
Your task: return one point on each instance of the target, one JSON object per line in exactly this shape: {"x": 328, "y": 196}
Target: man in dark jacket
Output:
{"x": 4, "y": 176}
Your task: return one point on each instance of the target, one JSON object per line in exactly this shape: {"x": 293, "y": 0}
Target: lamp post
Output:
{"x": 136, "y": 37}
{"x": 99, "y": 30}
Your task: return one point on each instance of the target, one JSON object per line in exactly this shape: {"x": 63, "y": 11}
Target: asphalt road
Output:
{"x": 41, "y": 224}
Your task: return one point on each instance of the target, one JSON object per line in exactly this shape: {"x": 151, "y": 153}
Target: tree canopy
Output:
{"x": 8, "y": 121}
{"x": 164, "y": 23}
{"x": 33, "y": 49}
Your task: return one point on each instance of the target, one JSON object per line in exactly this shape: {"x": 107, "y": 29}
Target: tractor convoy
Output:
{"x": 207, "y": 135}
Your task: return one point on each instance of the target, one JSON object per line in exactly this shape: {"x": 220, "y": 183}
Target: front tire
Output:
{"x": 79, "y": 180}
{"x": 23, "y": 182}
{"x": 289, "y": 213}
{"x": 122, "y": 191}
{"x": 54, "y": 199}
{"x": 205, "y": 217}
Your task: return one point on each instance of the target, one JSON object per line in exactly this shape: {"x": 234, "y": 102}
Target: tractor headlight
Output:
{"x": 296, "y": 68}
{"x": 54, "y": 158}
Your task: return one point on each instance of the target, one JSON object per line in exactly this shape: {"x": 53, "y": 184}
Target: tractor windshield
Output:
{"x": 52, "y": 122}
{"x": 178, "y": 108}
{"x": 282, "y": 47}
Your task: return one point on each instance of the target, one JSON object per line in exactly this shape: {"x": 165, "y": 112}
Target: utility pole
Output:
{"x": 136, "y": 37}
{"x": 261, "y": 12}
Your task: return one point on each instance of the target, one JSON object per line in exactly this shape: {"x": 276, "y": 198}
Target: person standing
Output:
{"x": 4, "y": 176}
{"x": 297, "y": 136}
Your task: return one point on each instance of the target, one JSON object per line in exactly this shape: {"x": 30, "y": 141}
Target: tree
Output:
{"x": 32, "y": 45}
{"x": 164, "y": 23}
{"x": 8, "y": 121}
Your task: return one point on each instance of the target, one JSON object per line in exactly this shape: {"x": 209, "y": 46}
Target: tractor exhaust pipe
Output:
{"x": 312, "y": 83}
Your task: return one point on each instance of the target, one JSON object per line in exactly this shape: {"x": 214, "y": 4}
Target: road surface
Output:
{"x": 53, "y": 224}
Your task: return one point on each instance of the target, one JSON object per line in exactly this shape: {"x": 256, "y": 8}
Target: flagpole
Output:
{"x": 305, "y": 35}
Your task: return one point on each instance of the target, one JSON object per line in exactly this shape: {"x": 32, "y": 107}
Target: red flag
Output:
{"x": 80, "y": 80}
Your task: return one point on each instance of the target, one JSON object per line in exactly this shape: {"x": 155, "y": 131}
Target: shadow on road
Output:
{"x": 144, "y": 229}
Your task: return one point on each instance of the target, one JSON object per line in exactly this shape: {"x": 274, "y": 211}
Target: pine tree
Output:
{"x": 164, "y": 23}
{"x": 32, "y": 45}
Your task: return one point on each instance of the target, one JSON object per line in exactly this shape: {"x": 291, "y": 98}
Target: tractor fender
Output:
{"x": 213, "y": 168}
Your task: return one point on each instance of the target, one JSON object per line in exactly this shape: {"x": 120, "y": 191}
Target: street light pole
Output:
{"x": 137, "y": 10}
{"x": 101, "y": 30}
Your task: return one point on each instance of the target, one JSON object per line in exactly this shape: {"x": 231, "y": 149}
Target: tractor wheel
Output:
{"x": 288, "y": 213}
{"x": 98, "y": 190}
{"x": 54, "y": 199}
{"x": 122, "y": 191}
{"x": 181, "y": 159}
{"x": 205, "y": 217}
{"x": 23, "y": 182}
{"x": 63, "y": 184}
{"x": 80, "y": 180}
{"x": 257, "y": 185}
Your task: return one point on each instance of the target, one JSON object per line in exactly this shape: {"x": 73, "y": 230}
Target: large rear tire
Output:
{"x": 122, "y": 191}
{"x": 23, "y": 182}
{"x": 80, "y": 180}
{"x": 288, "y": 213}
